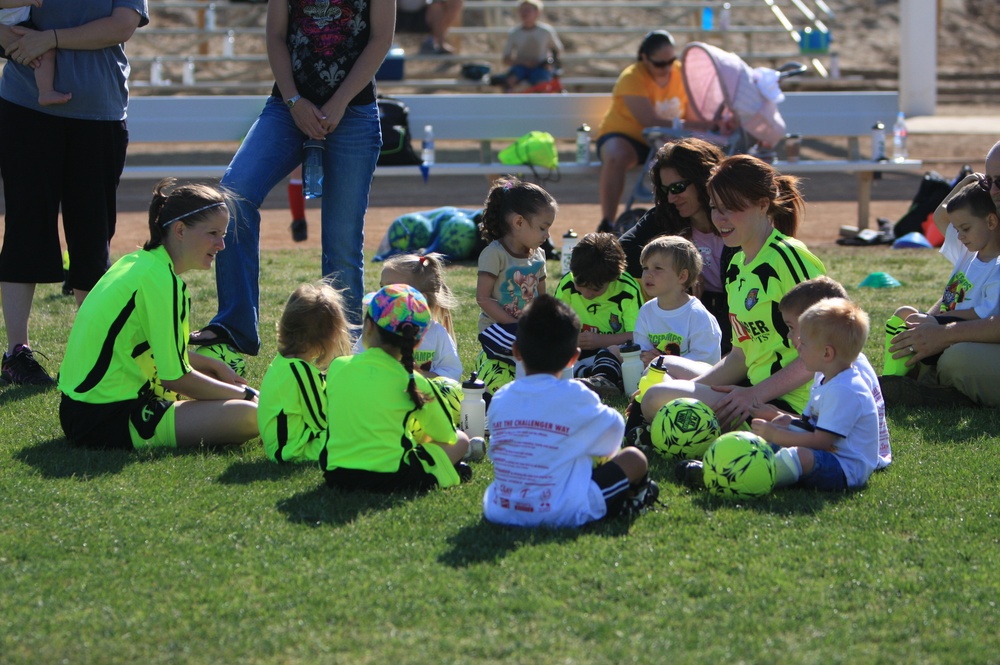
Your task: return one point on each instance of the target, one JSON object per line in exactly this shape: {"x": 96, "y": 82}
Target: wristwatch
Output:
{"x": 250, "y": 394}
{"x": 290, "y": 102}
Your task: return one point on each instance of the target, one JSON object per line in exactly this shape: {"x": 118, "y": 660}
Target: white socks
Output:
{"x": 788, "y": 468}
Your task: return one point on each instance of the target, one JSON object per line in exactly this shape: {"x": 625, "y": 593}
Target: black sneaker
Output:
{"x": 638, "y": 437}
{"x": 300, "y": 230}
{"x": 464, "y": 472}
{"x": 643, "y": 500}
{"x": 605, "y": 226}
{"x": 691, "y": 473}
{"x": 21, "y": 368}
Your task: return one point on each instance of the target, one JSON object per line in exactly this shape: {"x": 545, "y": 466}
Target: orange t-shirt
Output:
{"x": 635, "y": 81}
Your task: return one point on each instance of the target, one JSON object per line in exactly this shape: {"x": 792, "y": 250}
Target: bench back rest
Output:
{"x": 208, "y": 118}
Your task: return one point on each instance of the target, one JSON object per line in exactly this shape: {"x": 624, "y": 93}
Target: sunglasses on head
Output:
{"x": 675, "y": 188}
{"x": 661, "y": 63}
{"x": 987, "y": 182}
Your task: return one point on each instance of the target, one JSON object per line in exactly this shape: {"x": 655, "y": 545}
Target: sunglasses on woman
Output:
{"x": 661, "y": 63}
{"x": 987, "y": 182}
{"x": 675, "y": 188}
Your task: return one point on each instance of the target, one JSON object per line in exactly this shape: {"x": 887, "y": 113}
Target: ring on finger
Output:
{"x": 911, "y": 349}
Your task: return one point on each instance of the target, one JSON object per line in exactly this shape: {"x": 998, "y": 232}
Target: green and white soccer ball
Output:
{"x": 410, "y": 232}
{"x": 226, "y": 354}
{"x": 457, "y": 237}
{"x": 739, "y": 465}
{"x": 683, "y": 428}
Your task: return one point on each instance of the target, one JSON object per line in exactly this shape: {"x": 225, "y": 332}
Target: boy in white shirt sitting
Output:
{"x": 546, "y": 433}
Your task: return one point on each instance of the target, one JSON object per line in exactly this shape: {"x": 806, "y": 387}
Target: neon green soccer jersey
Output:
{"x": 291, "y": 414}
{"x": 140, "y": 304}
{"x": 610, "y": 313}
{"x": 754, "y": 291}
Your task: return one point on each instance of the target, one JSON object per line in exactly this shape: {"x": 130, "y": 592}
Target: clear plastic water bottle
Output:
{"x": 569, "y": 240}
{"x": 210, "y": 17}
{"x": 312, "y": 168}
{"x": 899, "y": 136}
{"x": 725, "y": 16}
{"x": 229, "y": 46}
{"x": 631, "y": 367}
{"x": 187, "y": 77}
{"x": 472, "y": 420}
{"x": 583, "y": 144}
{"x": 156, "y": 72}
{"x": 427, "y": 154}
{"x": 878, "y": 142}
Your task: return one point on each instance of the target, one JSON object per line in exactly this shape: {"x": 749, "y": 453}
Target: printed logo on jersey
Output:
{"x": 954, "y": 293}
{"x": 745, "y": 331}
{"x": 423, "y": 359}
{"x": 753, "y": 297}
{"x": 667, "y": 343}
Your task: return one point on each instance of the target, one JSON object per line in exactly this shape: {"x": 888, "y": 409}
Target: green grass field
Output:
{"x": 220, "y": 556}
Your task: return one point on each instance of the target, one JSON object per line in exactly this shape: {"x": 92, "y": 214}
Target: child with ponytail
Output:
{"x": 377, "y": 398}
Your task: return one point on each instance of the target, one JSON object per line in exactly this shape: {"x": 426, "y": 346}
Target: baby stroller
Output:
{"x": 724, "y": 90}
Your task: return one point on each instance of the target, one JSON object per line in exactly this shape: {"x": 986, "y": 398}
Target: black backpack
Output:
{"x": 395, "y": 119}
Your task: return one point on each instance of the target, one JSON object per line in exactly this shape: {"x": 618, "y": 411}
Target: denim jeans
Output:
{"x": 271, "y": 149}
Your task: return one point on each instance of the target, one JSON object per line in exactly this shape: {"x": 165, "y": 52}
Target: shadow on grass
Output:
{"x": 484, "y": 542}
{"x": 244, "y": 473}
{"x": 11, "y": 394}
{"x": 56, "y": 458}
{"x": 788, "y": 501}
{"x": 947, "y": 424}
{"x": 324, "y": 505}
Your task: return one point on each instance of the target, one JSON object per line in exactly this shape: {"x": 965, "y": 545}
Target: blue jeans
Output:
{"x": 271, "y": 149}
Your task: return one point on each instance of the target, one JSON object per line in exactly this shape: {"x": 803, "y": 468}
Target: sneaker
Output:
{"x": 477, "y": 449}
{"x": 645, "y": 498}
{"x": 602, "y": 386}
{"x": 464, "y": 472}
{"x": 605, "y": 226}
{"x": 638, "y": 437}
{"x": 905, "y": 391}
{"x": 20, "y": 368}
{"x": 691, "y": 473}
{"x": 300, "y": 230}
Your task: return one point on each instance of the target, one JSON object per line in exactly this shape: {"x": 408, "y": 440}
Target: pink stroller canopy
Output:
{"x": 720, "y": 85}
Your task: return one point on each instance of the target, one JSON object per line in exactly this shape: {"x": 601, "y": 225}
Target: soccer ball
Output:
{"x": 683, "y": 428}
{"x": 451, "y": 399}
{"x": 739, "y": 465}
{"x": 410, "y": 232}
{"x": 226, "y": 354}
{"x": 457, "y": 237}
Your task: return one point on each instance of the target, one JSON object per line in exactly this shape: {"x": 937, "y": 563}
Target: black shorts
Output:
{"x": 614, "y": 486}
{"x": 107, "y": 426}
{"x": 410, "y": 476}
{"x": 412, "y": 22}
{"x": 641, "y": 149}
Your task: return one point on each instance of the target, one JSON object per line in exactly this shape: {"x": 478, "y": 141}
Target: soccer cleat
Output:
{"x": 602, "y": 386}
{"x": 300, "y": 230}
{"x": 691, "y": 473}
{"x": 643, "y": 500}
{"x": 464, "y": 472}
{"x": 477, "y": 449}
{"x": 20, "y": 368}
{"x": 638, "y": 437}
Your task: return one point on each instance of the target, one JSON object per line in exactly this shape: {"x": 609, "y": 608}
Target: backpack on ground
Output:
{"x": 397, "y": 150}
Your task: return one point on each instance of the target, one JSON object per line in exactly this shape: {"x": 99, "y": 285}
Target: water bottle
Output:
{"x": 427, "y": 155}
{"x": 725, "y": 16}
{"x": 229, "y": 46}
{"x": 653, "y": 376}
{"x": 210, "y": 17}
{"x": 878, "y": 142}
{"x": 835, "y": 65}
{"x": 312, "y": 168}
{"x": 707, "y": 18}
{"x": 187, "y": 77}
{"x": 569, "y": 241}
{"x": 156, "y": 72}
{"x": 583, "y": 144}
{"x": 899, "y": 136}
{"x": 472, "y": 420}
{"x": 631, "y": 367}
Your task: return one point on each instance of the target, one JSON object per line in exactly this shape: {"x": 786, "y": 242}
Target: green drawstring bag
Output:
{"x": 533, "y": 149}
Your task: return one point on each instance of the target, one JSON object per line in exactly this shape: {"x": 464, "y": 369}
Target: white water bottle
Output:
{"x": 188, "y": 75}
{"x": 312, "y": 168}
{"x": 899, "y": 136}
{"x": 583, "y": 144}
{"x": 569, "y": 241}
{"x": 427, "y": 154}
{"x": 472, "y": 420}
{"x": 631, "y": 367}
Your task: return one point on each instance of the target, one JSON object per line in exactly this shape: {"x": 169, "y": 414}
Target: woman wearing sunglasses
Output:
{"x": 649, "y": 93}
{"x": 681, "y": 206}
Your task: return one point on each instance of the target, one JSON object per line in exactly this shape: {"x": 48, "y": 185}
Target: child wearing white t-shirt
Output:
{"x": 555, "y": 448}
{"x": 971, "y": 227}
{"x": 673, "y": 322}
{"x": 17, "y": 12}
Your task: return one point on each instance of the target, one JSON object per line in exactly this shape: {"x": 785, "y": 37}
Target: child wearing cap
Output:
{"x": 375, "y": 399}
